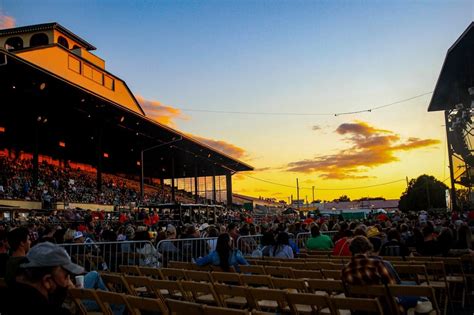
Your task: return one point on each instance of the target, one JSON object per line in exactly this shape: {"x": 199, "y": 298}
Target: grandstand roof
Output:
{"x": 77, "y": 118}
{"x": 457, "y": 74}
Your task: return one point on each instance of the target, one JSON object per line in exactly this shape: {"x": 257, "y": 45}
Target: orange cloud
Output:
{"x": 223, "y": 146}
{"x": 370, "y": 147}
{"x": 6, "y": 21}
{"x": 163, "y": 114}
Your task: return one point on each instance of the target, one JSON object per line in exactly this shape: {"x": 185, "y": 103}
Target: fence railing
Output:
{"x": 110, "y": 255}
{"x": 186, "y": 250}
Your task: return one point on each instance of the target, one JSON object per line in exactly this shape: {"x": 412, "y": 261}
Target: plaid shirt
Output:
{"x": 362, "y": 270}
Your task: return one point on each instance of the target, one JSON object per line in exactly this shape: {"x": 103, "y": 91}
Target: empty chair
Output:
{"x": 226, "y": 277}
{"x": 130, "y": 270}
{"x": 200, "y": 292}
{"x": 256, "y": 280}
{"x": 151, "y": 272}
{"x": 277, "y": 271}
{"x": 356, "y": 305}
{"x": 413, "y": 290}
{"x": 116, "y": 283}
{"x": 252, "y": 269}
{"x": 140, "y": 286}
{"x": 414, "y": 273}
{"x": 233, "y": 296}
{"x": 168, "y": 289}
{"x": 269, "y": 300}
{"x": 173, "y": 274}
{"x": 112, "y": 301}
{"x": 216, "y": 310}
{"x": 379, "y": 292}
{"x": 81, "y": 297}
{"x": 184, "y": 307}
{"x": 332, "y": 274}
{"x": 329, "y": 287}
{"x": 198, "y": 276}
{"x": 291, "y": 285}
{"x": 307, "y": 274}
{"x": 306, "y": 303}
{"x": 139, "y": 304}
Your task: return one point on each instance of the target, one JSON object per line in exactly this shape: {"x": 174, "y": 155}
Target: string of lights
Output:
{"x": 306, "y": 114}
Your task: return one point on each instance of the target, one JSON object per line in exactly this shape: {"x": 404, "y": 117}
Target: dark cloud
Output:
{"x": 370, "y": 147}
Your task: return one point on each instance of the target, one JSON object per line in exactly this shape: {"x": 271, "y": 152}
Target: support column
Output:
{"x": 36, "y": 156}
{"x": 450, "y": 156}
{"x": 142, "y": 176}
{"x": 196, "y": 184}
{"x": 173, "y": 196}
{"x": 228, "y": 184}
{"x": 100, "y": 156}
{"x": 214, "y": 196}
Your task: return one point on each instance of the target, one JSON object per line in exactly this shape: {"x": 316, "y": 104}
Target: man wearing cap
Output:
{"x": 44, "y": 281}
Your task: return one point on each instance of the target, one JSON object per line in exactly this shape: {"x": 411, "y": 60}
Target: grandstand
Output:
{"x": 60, "y": 104}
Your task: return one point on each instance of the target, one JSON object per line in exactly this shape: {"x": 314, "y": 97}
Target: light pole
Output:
{"x": 142, "y": 166}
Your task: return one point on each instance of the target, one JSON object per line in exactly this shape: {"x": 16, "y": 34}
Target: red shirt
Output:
{"x": 382, "y": 217}
{"x": 155, "y": 219}
{"x": 122, "y": 218}
{"x": 308, "y": 221}
{"x": 341, "y": 248}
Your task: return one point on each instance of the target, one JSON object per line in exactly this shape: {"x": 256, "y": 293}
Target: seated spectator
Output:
{"x": 43, "y": 285}
{"x": 394, "y": 247}
{"x": 341, "y": 247}
{"x": 363, "y": 270}
{"x": 373, "y": 234}
{"x": 282, "y": 248}
{"x": 318, "y": 241}
{"x": 430, "y": 246}
{"x": 224, "y": 255}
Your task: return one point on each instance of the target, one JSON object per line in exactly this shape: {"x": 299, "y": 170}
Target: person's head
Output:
{"x": 268, "y": 239}
{"x": 223, "y": 249}
{"x": 213, "y": 232}
{"x": 191, "y": 230}
{"x": 171, "y": 232}
{"x": 282, "y": 239}
{"x": 48, "y": 269}
{"x": 315, "y": 231}
{"x": 360, "y": 245}
{"x": 232, "y": 228}
{"x": 360, "y": 231}
{"x": 78, "y": 237}
{"x": 393, "y": 235}
{"x": 19, "y": 239}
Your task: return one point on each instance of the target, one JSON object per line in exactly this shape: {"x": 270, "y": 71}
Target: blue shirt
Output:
{"x": 235, "y": 259}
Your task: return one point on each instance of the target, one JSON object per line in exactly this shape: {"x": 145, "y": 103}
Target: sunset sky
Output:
{"x": 268, "y": 82}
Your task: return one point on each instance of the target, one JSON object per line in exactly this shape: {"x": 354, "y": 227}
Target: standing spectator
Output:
{"x": 19, "y": 242}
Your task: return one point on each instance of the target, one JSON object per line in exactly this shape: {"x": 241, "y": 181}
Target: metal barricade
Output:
{"x": 185, "y": 250}
{"x": 110, "y": 255}
{"x": 301, "y": 238}
{"x": 248, "y": 243}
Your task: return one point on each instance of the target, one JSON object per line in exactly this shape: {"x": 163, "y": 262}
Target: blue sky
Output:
{"x": 277, "y": 56}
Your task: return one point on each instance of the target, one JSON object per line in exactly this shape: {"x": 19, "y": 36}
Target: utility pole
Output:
{"x": 407, "y": 182}
{"x": 313, "y": 193}
{"x": 298, "y": 193}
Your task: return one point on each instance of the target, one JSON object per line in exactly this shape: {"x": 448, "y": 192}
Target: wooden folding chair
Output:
{"x": 379, "y": 292}
{"x": 409, "y": 272}
{"x": 307, "y": 303}
{"x": 139, "y": 304}
{"x": 281, "y": 272}
{"x": 438, "y": 280}
{"x": 79, "y": 296}
{"x": 328, "y": 287}
{"x": 252, "y": 269}
{"x": 269, "y": 300}
{"x": 140, "y": 286}
{"x": 200, "y": 292}
{"x": 233, "y": 296}
{"x": 412, "y": 290}
{"x": 168, "y": 289}
{"x": 256, "y": 280}
{"x": 184, "y": 307}
{"x": 151, "y": 272}
{"x": 356, "y": 304}
{"x": 332, "y": 274}
{"x": 455, "y": 276}
{"x": 130, "y": 270}
{"x": 181, "y": 265}
{"x": 232, "y": 278}
{"x": 331, "y": 265}
{"x": 173, "y": 274}
{"x": 296, "y": 265}
{"x": 216, "y": 310}
{"x": 116, "y": 283}
{"x": 307, "y": 274}
{"x": 290, "y": 285}
{"x": 219, "y": 269}
{"x": 112, "y": 300}
{"x": 198, "y": 276}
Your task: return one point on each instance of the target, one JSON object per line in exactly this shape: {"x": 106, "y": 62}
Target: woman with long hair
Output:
{"x": 224, "y": 255}
{"x": 282, "y": 248}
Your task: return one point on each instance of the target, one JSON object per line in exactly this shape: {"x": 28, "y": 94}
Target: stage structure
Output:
{"x": 454, "y": 94}
{"x": 58, "y": 100}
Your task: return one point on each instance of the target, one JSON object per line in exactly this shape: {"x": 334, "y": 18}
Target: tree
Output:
{"x": 423, "y": 193}
{"x": 343, "y": 198}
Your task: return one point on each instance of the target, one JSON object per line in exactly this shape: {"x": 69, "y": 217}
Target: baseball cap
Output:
{"x": 372, "y": 231}
{"x": 50, "y": 255}
{"x": 203, "y": 226}
{"x": 78, "y": 234}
